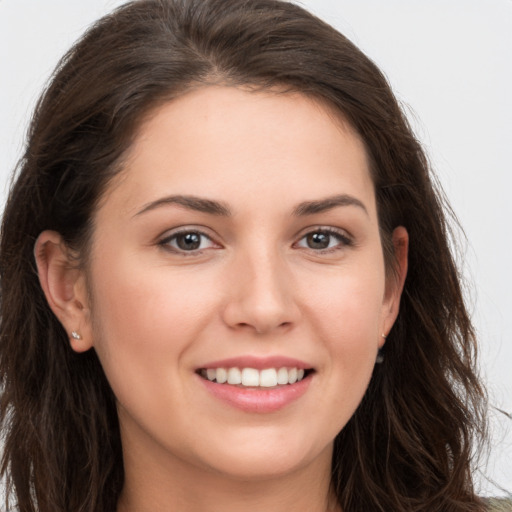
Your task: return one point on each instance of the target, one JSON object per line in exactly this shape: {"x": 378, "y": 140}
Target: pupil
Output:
{"x": 189, "y": 241}
{"x": 318, "y": 240}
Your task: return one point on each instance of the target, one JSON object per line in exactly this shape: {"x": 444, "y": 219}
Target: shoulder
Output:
{"x": 499, "y": 505}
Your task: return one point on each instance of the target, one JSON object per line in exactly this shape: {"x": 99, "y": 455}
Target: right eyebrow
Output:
{"x": 190, "y": 202}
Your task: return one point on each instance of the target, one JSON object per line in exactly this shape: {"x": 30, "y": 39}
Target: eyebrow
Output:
{"x": 218, "y": 208}
{"x": 323, "y": 205}
{"x": 191, "y": 202}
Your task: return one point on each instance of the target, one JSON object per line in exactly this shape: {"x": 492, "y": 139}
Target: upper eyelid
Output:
{"x": 344, "y": 241}
{"x": 170, "y": 233}
{"x": 164, "y": 241}
{"x": 326, "y": 229}
{"x": 202, "y": 230}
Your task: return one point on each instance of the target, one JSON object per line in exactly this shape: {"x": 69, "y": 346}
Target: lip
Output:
{"x": 257, "y": 400}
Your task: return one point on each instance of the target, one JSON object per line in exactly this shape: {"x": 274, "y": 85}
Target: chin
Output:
{"x": 267, "y": 457}
{"x": 258, "y": 469}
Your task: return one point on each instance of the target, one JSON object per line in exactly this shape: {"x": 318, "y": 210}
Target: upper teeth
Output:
{"x": 266, "y": 378}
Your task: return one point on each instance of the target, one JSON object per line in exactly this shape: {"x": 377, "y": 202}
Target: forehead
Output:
{"x": 227, "y": 141}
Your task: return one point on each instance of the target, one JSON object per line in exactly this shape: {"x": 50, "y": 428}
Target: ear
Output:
{"x": 395, "y": 281}
{"x": 64, "y": 286}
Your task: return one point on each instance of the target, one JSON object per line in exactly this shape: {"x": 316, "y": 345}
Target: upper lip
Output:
{"x": 258, "y": 363}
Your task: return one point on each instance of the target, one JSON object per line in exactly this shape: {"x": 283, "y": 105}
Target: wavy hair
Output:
{"x": 410, "y": 444}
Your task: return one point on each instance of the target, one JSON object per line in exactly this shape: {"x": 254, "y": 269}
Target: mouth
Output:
{"x": 265, "y": 378}
{"x": 257, "y": 384}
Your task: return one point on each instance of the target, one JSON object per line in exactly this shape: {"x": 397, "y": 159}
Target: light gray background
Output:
{"x": 449, "y": 62}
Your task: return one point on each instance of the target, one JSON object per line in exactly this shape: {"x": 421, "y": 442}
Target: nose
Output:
{"x": 261, "y": 294}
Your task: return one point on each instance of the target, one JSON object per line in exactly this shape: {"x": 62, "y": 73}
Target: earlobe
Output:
{"x": 63, "y": 284}
{"x": 396, "y": 279}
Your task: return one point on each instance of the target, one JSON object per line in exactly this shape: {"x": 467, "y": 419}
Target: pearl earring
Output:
{"x": 75, "y": 335}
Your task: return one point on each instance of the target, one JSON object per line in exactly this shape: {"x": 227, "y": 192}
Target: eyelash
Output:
{"x": 343, "y": 241}
{"x": 166, "y": 242}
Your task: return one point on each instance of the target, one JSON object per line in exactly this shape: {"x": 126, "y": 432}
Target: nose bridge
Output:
{"x": 261, "y": 290}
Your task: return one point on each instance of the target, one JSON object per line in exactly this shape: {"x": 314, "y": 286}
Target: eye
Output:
{"x": 324, "y": 239}
{"x": 187, "y": 241}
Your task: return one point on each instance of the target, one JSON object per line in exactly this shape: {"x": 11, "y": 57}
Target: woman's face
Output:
{"x": 240, "y": 242}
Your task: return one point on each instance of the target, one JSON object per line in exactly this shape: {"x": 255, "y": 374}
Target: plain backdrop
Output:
{"x": 450, "y": 64}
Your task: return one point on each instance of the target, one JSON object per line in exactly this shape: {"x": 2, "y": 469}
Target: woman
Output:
{"x": 227, "y": 281}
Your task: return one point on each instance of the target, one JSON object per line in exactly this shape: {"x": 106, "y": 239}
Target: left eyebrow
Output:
{"x": 323, "y": 205}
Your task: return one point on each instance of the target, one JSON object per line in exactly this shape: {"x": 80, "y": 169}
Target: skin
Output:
{"x": 155, "y": 313}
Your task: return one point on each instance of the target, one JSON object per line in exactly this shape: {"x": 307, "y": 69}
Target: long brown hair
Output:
{"x": 409, "y": 446}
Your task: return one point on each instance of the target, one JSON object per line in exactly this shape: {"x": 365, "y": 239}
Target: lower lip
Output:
{"x": 258, "y": 400}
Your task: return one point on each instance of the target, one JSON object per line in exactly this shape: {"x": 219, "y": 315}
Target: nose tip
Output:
{"x": 261, "y": 299}
{"x": 262, "y": 318}
{"x": 259, "y": 310}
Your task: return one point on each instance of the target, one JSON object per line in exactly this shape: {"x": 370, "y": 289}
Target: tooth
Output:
{"x": 268, "y": 378}
{"x": 222, "y": 375}
{"x": 234, "y": 376}
{"x": 250, "y": 377}
{"x": 282, "y": 376}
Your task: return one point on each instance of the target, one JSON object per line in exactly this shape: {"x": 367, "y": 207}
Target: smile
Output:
{"x": 256, "y": 384}
{"x": 251, "y": 377}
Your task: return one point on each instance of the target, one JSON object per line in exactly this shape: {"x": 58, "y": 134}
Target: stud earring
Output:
{"x": 75, "y": 335}
{"x": 380, "y": 353}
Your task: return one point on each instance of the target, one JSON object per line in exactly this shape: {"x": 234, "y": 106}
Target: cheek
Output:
{"x": 149, "y": 303}
{"x": 348, "y": 318}
{"x": 350, "y": 307}
{"x": 145, "y": 318}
